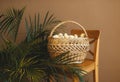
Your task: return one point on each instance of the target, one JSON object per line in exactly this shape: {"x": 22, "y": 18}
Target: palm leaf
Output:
{"x": 37, "y": 29}
{"x": 10, "y": 21}
{"x": 45, "y": 19}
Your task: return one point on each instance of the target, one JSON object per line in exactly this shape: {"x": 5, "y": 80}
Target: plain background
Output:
{"x": 103, "y": 15}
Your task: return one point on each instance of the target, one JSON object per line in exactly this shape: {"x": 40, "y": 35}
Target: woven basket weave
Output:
{"x": 76, "y": 47}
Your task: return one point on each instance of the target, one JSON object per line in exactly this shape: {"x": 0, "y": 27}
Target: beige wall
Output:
{"x": 93, "y": 14}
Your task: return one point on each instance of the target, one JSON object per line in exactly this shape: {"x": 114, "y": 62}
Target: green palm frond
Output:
{"x": 27, "y": 68}
{"x": 60, "y": 58}
{"x": 1, "y": 15}
{"x": 37, "y": 29}
{"x": 10, "y": 21}
{"x": 18, "y": 64}
{"x": 49, "y": 19}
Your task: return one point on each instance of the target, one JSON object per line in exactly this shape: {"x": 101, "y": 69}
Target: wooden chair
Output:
{"x": 90, "y": 64}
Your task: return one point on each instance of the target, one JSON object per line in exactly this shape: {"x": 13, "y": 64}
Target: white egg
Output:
{"x": 55, "y": 36}
{"x": 71, "y": 37}
{"x": 82, "y": 35}
{"x": 76, "y": 36}
{"x": 60, "y": 34}
{"x": 66, "y": 35}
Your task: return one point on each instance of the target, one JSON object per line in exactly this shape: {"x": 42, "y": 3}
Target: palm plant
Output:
{"x": 29, "y": 61}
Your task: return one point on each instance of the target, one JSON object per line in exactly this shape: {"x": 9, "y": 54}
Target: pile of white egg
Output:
{"x": 65, "y": 35}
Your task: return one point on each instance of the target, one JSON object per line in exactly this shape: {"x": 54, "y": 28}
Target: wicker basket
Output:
{"x": 76, "y": 47}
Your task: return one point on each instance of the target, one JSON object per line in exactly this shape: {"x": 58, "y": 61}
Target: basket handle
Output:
{"x": 68, "y": 22}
